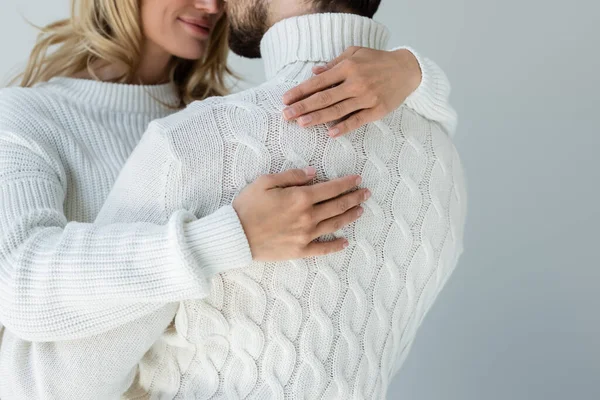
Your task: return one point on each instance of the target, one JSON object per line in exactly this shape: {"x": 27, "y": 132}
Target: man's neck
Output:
{"x": 284, "y": 9}
{"x": 280, "y": 10}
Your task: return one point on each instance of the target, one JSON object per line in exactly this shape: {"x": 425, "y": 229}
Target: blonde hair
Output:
{"x": 110, "y": 31}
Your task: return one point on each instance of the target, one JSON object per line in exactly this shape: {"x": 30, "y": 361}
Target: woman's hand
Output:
{"x": 369, "y": 84}
{"x": 282, "y": 219}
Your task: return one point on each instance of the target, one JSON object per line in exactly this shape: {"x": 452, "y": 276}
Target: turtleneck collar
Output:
{"x": 317, "y": 38}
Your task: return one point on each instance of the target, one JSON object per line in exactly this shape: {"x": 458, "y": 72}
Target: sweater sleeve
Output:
{"x": 432, "y": 98}
{"x": 427, "y": 296}
{"x": 63, "y": 280}
{"x": 97, "y": 367}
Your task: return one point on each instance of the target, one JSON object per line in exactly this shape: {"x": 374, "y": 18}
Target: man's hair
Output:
{"x": 365, "y": 8}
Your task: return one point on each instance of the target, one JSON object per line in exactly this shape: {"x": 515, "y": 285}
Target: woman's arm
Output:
{"x": 431, "y": 98}
{"x": 63, "y": 280}
{"x": 281, "y": 219}
{"x": 369, "y": 84}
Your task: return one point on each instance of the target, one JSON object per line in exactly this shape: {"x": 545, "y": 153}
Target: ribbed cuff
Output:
{"x": 431, "y": 98}
{"x": 217, "y": 242}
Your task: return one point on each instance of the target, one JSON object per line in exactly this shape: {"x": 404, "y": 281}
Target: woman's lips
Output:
{"x": 196, "y": 27}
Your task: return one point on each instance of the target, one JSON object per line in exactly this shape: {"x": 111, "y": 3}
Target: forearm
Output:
{"x": 431, "y": 98}
{"x": 83, "y": 279}
{"x": 63, "y": 280}
{"x": 88, "y": 300}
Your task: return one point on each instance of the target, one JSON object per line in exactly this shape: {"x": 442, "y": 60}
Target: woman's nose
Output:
{"x": 209, "y": 6}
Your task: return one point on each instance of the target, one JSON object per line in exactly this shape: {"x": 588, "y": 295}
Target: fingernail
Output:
{"x": 346, "y": 244}
{"x": 287, "y": 98}
{"x": 305, "y": 119}
{"x": 358, "y": 181}
{"x": 367, "y": 195}
{"x": 289, "y": 112}
{"x": 310, "y": 171}
{"x": 360, "y": 211}
{"x": 334, "y": 132}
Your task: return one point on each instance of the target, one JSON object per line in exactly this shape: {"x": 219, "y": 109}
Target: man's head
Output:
{"x": 250, "y": 19}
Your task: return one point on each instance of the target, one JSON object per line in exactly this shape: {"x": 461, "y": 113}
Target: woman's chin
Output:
{"x": 190, "y": 56}
{"x": 192, "y": 53}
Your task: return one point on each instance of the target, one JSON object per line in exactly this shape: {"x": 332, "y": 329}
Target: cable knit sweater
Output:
{"x": 334, "y": 327}
{"x": 82, "y": 302}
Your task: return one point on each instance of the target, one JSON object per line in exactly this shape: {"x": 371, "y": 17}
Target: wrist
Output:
{"x": 218, "y": 242}
{"x": 411, "y": 67}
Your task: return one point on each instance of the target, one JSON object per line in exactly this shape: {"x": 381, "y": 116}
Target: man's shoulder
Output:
{"x": 191, "y": 111}
{"x": 264, "y": 98}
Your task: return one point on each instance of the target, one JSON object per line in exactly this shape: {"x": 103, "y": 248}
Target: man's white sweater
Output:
{"x": 81, "y": 302}
{"x": 333, "y": 327}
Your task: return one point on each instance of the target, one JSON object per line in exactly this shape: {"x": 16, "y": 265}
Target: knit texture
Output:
{"x": 334, "y": 327}
{"x": 62, "y": 277}
{"x": 78, "y": 296}
{"x": 431, "y": 97}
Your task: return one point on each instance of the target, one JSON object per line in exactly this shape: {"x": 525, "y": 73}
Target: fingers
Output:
{"x": 315, "y": 249}
{"x": 345, "y": 55}
{"x": 340, "y": 205}
{"x": 355, "y": 121}
{"x": 292, "y": 177}
{"x": 332, "y": 189}
{"x": 335, "y": 112}
{"x": 313, "y": 85}
{"x": 336, "y": 223}
{"x": 320, "y": 69}
{"x": 315, "y": 102}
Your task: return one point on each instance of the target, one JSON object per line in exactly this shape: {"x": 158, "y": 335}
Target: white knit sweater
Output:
{"x": 334, "y": 327}
{"x": 77, "y": 299}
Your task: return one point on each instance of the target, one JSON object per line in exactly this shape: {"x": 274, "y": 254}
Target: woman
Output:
{"x": 62, "y": 144}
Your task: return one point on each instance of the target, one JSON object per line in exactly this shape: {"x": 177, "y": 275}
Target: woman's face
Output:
{"x": 180, "y": 27}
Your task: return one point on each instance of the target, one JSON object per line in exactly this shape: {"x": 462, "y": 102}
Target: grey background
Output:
{"x": 519, "y": 318}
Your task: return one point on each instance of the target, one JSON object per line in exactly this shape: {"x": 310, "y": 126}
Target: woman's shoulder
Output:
{"x": 27, "y": 99}
{"x": 25, "y": 108}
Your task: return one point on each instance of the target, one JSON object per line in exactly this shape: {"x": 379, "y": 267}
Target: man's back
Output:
{"x": 335, "y": 326}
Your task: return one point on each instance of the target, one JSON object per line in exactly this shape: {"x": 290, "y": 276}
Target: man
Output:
{"x": 330, "y": 327}
{"x": 334, "y": 327}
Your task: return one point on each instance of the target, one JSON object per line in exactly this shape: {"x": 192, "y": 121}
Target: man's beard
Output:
{"x": 248, "y": 25}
